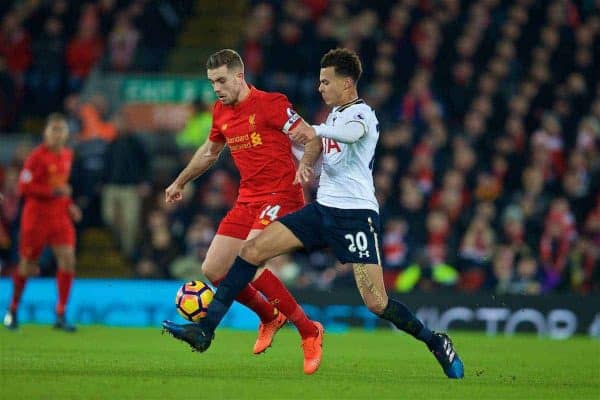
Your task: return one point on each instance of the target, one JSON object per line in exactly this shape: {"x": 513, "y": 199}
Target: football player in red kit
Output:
{"x": 254, "y": 125}
{"x": 47, "y": 218}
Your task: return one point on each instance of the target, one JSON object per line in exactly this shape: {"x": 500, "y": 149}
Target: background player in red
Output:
{"x": 47, "y": 218}
{"x": 254, "y": 124}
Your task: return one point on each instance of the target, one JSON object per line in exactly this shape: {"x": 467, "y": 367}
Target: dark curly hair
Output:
{"x": 345, "y": 62}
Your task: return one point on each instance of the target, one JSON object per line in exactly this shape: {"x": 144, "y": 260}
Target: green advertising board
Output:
{"x": 154, "y": 89}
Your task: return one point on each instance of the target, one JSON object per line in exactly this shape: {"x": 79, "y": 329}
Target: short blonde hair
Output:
{"x": 227, "y": 57}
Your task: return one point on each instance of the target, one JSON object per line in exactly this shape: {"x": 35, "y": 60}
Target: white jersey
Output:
{"x": 347, "y": 177}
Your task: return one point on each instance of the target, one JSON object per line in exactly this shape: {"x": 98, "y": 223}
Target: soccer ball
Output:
{"x": 192, "y": 300}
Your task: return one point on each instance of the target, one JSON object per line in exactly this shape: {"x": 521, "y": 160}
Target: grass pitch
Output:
{"x": 116, "y": 363}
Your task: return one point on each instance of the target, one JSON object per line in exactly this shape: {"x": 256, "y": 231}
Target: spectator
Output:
{"x": 126, "y": 183}
{"x": 83, "y": 52}
{"x": 122, "y": 44}
{"x": 46, "y": 75}
{"x": 197, "y": 128}
{"x": 15, "y": 47}
{"x": 93, "y": 124}
{"x": 502, "y": 270}
{"x": 556, "y": 242}
{"x": 527, "y": 278}
{"x": 8, "y": 101}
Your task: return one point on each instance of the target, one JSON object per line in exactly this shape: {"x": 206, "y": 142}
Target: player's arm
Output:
{"x": 312, "y": 151}
{"x": 348, "y": 132}
{"x": 203, "y": 159}
{"x": 31, "y": 183}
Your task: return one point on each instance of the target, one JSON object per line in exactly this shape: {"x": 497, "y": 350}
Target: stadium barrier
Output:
{"x": 148, "y": 302}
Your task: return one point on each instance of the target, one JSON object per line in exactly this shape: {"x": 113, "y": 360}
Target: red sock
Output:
{"x": 278, "y": 294}
{"x": 64, "y": 279}
{"x": 251, "y": 298}
{"x": 18, "y": 287}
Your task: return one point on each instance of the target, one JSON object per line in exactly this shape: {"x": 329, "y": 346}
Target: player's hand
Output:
{"x": 303, "y": 134}
{"x": 75, "y": 213}
{"x": 304, "y": 174}
{"x": 64, "y": 190}
{"x": 174, "y": 193}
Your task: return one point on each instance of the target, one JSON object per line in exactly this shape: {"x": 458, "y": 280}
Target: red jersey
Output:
{"x": 44, "y": 171}
{"x": 256, "y": 130}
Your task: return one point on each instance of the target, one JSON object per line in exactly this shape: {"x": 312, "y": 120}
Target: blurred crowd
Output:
{"x": 488, "y": 166}
{"x": 49, "y": 47}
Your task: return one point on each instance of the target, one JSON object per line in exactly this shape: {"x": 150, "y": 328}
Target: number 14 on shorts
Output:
{"x": 270, "y": 211}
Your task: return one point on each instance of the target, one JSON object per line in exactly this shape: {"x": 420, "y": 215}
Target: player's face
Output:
{"x": 56, "y": 133}
{"x": 226, "y": 83}
{"x": 332, "y": 86}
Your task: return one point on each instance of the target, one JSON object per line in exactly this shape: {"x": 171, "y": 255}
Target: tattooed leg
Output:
{"x": 369, "y": 280}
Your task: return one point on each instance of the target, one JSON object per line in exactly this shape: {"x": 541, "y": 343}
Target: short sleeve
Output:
{"x": 216, "y": 134}
{"x": 280, "y": 112}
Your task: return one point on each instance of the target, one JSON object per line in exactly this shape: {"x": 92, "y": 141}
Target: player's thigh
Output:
{"x": 220, "y": 255}
{"x": 353, "y": 235}
{"x": 32, "y": 241}
{"x": 276, "y": 207}
{"x": 369, "y": 281}
{"x": 274, "y": 240}
{"x": 62, "y": 242}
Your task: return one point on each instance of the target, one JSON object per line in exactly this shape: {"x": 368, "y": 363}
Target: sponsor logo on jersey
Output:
{"x": 256, "y": 139}
{"x": 242, "y": 142}
{"x": 330, "y": 146}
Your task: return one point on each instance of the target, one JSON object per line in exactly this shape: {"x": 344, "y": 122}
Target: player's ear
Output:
{"x": 348, "y": 83}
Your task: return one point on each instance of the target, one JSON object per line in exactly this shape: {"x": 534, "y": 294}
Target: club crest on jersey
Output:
{"x": 223, "y": 127}
{"x": 252, "y": 121}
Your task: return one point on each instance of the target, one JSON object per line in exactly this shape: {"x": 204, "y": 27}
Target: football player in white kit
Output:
{"x": 344, "y": 217}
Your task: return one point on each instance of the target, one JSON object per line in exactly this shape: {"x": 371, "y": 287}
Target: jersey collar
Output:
{"x": 251, "y": 94}
{"x": 348, "y": 104}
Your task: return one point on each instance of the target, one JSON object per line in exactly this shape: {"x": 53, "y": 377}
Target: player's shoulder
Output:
{"x": 271, "y": 97}
{"x": 38, "y": 151}
{"x": 217, "y": 108}
{"x": 356, "y": 110}
{"x": 67, "y": 152}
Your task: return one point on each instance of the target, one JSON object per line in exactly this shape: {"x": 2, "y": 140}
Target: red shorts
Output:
{"x": 34, "y": 237}
{"x": 244, "y": 217}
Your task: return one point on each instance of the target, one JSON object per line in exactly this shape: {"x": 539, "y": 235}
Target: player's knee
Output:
{"x": 376, "y": 306}
{"x": 66, "y": 262}
{"x": 68, "y": 265}
{"x": 210, "y": 271}
{"x": 251, "y": 252}
{"x": 27, "y": 268}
